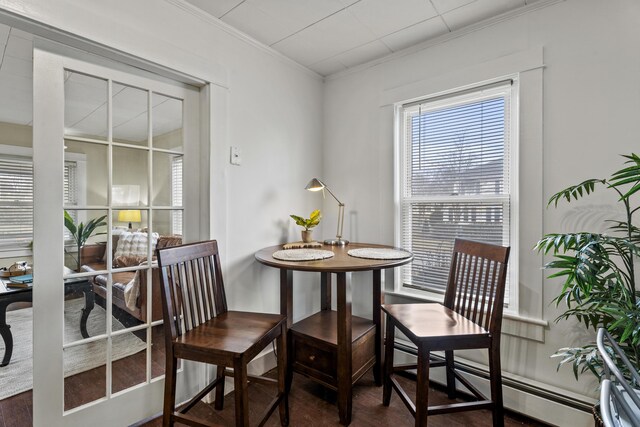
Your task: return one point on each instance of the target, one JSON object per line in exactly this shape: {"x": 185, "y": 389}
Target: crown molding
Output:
{"x": 489, "y": 22}
{"x": 234, "y": 32}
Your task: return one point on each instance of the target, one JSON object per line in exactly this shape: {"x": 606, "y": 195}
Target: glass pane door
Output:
{"x": 119, "y": 169}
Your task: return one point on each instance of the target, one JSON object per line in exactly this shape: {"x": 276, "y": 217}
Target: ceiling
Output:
{"x": 329, "y": 36}
{"x": 86, "y": 98}
{"x": 326, "y": 36}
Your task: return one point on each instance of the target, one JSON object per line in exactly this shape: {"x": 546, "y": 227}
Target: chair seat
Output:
{"x": 233, "y": 332}
{"x": 441, "y": 326}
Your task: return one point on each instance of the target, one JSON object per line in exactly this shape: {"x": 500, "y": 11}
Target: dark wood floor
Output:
{"x": 311, "y": 405}
{"x": 16, "y": 411}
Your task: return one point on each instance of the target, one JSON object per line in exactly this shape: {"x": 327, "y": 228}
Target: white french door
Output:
{"x": 118, "y": 149}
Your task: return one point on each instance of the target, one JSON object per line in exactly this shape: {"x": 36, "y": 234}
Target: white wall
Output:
{"x": 591, "y": 106}
{"x": 264, "y": 104}
{"x": 273, "y": 112}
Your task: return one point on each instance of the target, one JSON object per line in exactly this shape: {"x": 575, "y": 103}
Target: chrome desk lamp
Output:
{"x": 316, "y": 185}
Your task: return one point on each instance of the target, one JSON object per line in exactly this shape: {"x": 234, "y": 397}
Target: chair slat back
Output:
{"x": 476, "y": 283}
{"x": 193, "y": 289}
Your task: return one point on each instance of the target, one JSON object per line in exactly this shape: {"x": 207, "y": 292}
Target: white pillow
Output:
{"x": 135, "y": 244}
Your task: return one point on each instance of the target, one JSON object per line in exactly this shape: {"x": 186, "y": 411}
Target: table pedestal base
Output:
{"x": 314, "y": 349}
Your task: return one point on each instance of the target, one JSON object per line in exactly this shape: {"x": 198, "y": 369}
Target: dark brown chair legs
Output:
{"x": 495, "y": 375}
{"x": 281, "y": 349}
{"x": 219, "y": 402}
{"x": 388, "y": 363}
{"x": 169, "y": 391}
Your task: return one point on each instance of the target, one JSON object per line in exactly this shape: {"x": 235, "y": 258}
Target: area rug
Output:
{"x": 17, "y": 376}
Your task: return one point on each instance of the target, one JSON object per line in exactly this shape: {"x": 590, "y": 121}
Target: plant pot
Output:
{"x": 307, "y": 236}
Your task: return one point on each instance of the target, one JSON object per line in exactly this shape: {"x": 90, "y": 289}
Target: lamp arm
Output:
{"x": 340, "y": 219}
{"x": 334, "y": 196}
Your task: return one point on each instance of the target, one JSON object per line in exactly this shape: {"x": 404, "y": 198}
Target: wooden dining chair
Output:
{"x": 470, "y": 318}
{"x": 199, "y": 327}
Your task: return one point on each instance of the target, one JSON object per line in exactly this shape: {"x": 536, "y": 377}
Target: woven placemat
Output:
{"x": 379, "y": 253}
{"x": 302, "y": 254}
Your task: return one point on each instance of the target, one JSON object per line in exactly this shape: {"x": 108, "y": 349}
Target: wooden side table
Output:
{"x": 333, "y": 347}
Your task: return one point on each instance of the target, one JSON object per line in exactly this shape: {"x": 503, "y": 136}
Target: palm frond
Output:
{"x": 575, "y": 192}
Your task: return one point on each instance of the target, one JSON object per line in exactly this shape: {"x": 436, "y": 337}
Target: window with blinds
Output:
{"x": 176, "y": 194}
{"x": 70, "y": 193}
{"x": 16, "y": 202}
{"x": 16, "y": 199}
{"x": 455, "y": 179}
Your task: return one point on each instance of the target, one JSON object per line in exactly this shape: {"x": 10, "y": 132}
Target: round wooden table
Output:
{"x": 318, "y": 345}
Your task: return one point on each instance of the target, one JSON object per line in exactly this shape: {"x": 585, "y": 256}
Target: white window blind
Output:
{"x": 70, "y": 183}
{"x": 16, "y": 199}
{"x": 454, "y": 179}
{"x": 16, "y": 202}
{"x": 70, "y": 193}
{"x": 176, "y": 194}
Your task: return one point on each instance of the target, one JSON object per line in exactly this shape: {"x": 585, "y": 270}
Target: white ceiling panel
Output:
{"x": 384, "y": 17}
{"x": 444, "y": 6}
{"x": 18, "y": 47}
{"x": 92, "y": 125}
{"x": 216, "y": 8}
{"x": 167, "y": 116}
{"x": 134, "y": 130}
{"x": 130, "y": 117}
{"x": 415, "y": 34}
{"x": 336, "y": 34}
{"x": 328, "y": 36}
{"x": 362, "y": 54}
{"x": 16, "y": 93}
{"x": 4, "y": 34}
{"x": 478, "y": 11}
{"x": 328, "y": 66}
{"x": 260, "y": 24}
{"x": 313, "y": 32}
{"x": 17, "y": 67}
{"x": 85, "y": 105}
{"x": 300, "y": 13}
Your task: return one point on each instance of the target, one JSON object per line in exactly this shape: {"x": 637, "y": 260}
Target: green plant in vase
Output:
{"x": 308, "y": 224}
{"x": 599, "y": 287}
{"x": 81, "y": 232}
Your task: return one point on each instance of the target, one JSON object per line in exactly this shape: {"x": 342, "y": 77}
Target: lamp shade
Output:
{"x": 315, "y": 185}
{"x": 129, "y": 216}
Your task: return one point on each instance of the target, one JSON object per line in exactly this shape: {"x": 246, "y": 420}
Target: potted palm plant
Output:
{"x": 81, "y": 232}
{"x": 308, "y": 224}
{"x": 599, "y": 288}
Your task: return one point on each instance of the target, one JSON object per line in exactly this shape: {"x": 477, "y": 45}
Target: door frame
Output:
{"x": 48, "y": 159}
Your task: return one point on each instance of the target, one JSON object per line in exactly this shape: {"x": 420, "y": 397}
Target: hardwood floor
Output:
{"x": 16, "y": 411}
{"x": 311, "y": 405}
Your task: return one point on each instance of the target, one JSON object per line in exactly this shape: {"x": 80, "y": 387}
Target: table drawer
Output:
{"x": 310, "y": 359}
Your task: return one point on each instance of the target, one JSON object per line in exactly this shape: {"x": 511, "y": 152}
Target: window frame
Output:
{"x": 14, "y": 249}
{"x": 457, "y": 96}
{"x": 20, "y": 151}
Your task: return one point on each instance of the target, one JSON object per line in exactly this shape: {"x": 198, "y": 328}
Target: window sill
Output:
{"x": 15, "y": 253}
{"x": 513, "y": 324}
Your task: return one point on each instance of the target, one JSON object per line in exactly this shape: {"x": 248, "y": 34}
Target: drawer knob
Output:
{"x": 312, "y": 357}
